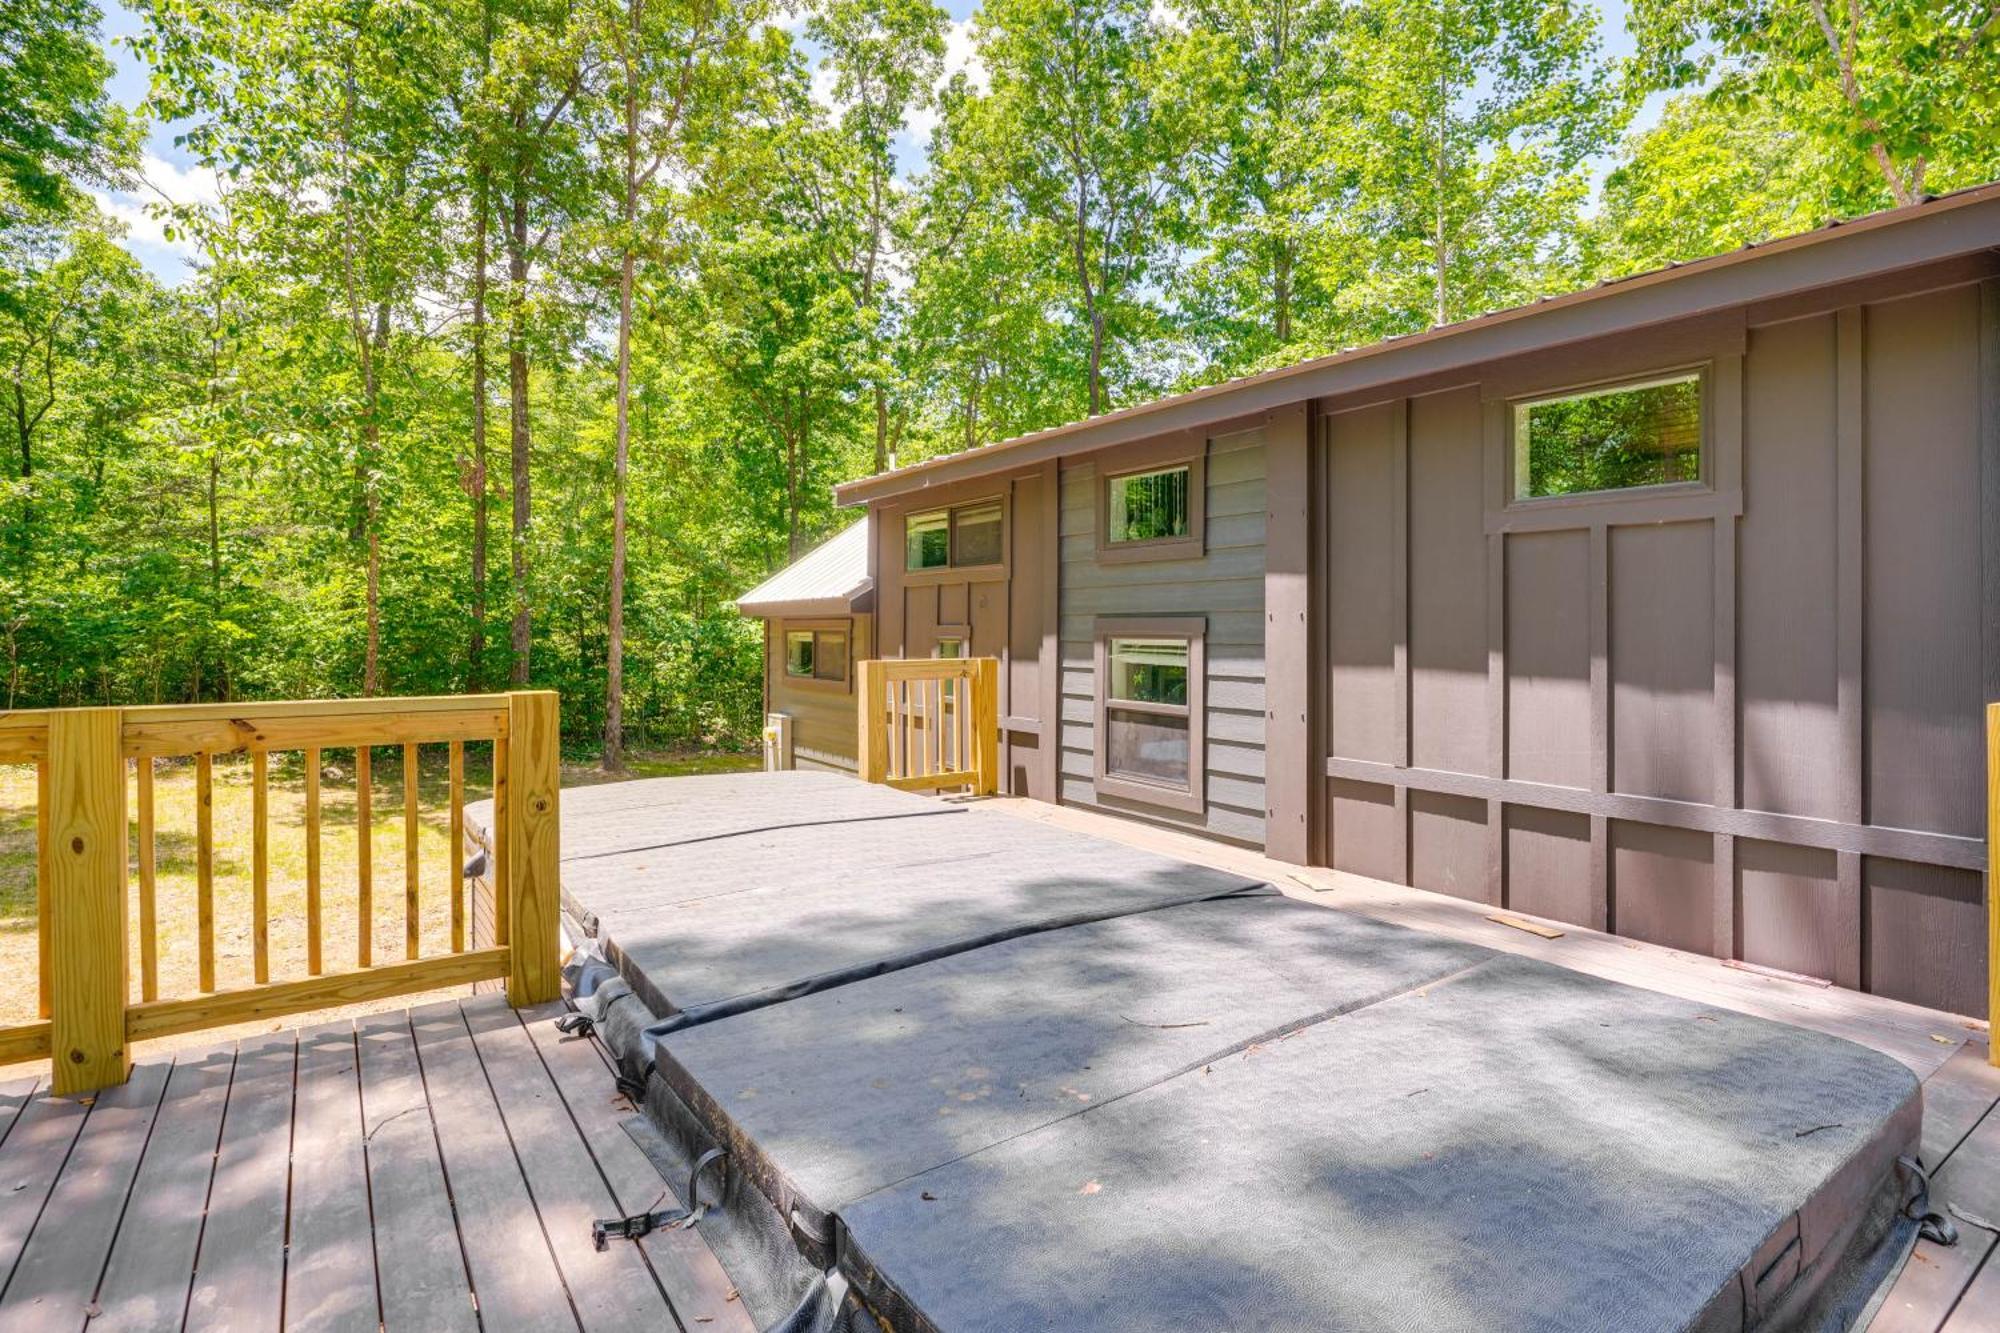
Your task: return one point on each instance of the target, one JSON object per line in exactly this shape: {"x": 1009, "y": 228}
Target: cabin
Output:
{"x": 1667, "y": 608}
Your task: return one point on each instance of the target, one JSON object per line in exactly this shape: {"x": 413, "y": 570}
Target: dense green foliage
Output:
{"x": 524, "y": 334}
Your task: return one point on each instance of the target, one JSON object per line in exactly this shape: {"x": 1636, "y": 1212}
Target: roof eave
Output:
{"x": 1882, "y": 242}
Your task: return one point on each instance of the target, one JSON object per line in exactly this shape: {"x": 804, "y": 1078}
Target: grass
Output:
{"x": 174, "y": 843}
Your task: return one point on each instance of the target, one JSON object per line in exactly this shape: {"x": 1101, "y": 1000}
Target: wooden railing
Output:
{"x": 929, "y": 724}
{"x": 81, "y": 755}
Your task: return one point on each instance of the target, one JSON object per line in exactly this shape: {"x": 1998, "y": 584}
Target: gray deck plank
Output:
{"x": 700, "y": 1291}
{"x": 240, "y": 1271}
{"x": 1979, "y": 1309}
{"x": 1956, "y": 1098}
{"x": 15, "y": 1094}
{"x": 330, "y": 1274}
{"x": 145, "y": 1283}
{"x": 30, "y": 1160}
{"x": 513, "y": 1272}
{"x": 612, "y": 1288}
{"x": 1938, "y": 1277}
{"x": 58, "y": 1272}
{"x": 424, "y": 1281}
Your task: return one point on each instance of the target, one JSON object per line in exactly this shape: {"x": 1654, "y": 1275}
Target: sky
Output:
{"x": 170, "y": 174}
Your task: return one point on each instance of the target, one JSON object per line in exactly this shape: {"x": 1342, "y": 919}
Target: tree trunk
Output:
{"x": 517, "y": 423}
{"x": 476, "y": 646}
{"x": 614, "y": 648}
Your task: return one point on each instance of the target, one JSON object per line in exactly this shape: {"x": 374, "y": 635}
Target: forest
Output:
{"x": 522, "y": 335}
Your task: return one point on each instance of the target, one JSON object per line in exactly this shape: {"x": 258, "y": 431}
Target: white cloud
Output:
{"x": 160, "y": 182}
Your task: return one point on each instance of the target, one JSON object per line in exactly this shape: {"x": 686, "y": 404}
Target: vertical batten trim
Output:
{"x": 1288, "y": 774}
{"x": 1850, "y": 455}
{"x": 1726, "y": 416}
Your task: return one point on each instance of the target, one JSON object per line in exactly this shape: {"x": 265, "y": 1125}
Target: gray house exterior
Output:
{"x": 1427, "y": 611}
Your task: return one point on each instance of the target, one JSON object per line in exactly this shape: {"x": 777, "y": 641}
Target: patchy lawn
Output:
{"x": 174, "y": 805}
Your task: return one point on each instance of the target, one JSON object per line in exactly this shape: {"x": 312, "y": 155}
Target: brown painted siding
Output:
{"x": 824, "y": 725}
{"x": 1743, "y": 721}
{"x": 1226, "y": 586}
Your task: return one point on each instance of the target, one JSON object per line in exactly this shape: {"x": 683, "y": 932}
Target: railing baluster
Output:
{"x": 149, "y": 919}
{"x": 313, "y": 960}
{"x": 364, "y": 857}
{"x": 502, "y": 811}
{"x": 412, "y": 867}
{"x": 260, "y": 866}
{"x": 204, "y": 868}
{"x": 456, "y": 868}
{"x": 42, "y": 816}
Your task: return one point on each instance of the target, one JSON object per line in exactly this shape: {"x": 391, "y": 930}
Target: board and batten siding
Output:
{"x": 1744, "y": 724}
{"x": 1225, "y": 585}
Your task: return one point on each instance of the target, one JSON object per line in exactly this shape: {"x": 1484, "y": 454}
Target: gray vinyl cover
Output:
{"x": 1245, "y": 1111}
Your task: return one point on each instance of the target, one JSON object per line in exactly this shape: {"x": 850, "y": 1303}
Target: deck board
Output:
{"x": 83, "y": 1209}
{"x": 513, "y": 1270}
{"x": 240, "y": 1268}
{"x": 353, "y": 1176}
{"x": 330, "y": 1280}
{"x": 146, "y": 1280}
{"x": 613, "y": 1288}
{"x": 427, "y": 1287}
{"x": 30, "y": 1160}
{"x": 704, "y": 1297}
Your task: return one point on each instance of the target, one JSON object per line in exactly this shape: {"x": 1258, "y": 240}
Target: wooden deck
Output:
{"x": 435, "y": 1168}
{"x": 1956, "y": 1288}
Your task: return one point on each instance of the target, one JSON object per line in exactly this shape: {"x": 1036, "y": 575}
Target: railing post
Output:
{"x": 534, "y": 850}
{"x": 1993, "y": 881}
{"x": 986, "y": 724}
{"x": 872, "y": 752}
{"x": 85, "y": 817}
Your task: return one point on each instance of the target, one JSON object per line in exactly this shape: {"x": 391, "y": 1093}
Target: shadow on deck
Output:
{"x": 435, "y": 1168}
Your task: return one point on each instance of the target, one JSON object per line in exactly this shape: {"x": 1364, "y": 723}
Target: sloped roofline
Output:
{"x": 1954, "y": 224}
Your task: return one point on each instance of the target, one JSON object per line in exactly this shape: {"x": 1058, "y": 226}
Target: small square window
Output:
{"x": 830, "y": 655}
{"x": 1617, "y": 438}
{"x": 976, "y": 539}
{"x": 799, "y": 653}
{"x": 1148, "y": 506}
{"x": 950, "y": 648}
{"x": 927, "y": 540}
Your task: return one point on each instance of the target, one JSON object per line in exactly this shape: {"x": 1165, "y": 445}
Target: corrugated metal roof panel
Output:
{"x": 835, "y": 573}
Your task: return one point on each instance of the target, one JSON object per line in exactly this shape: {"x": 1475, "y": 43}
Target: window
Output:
{"x": 799, "y": 653}
{"x": 1150, "y": 501}
{"x": 950, "y": 648}
{"x": 1149, "y": 711}
{"x": 1148, "y": 506}
{"x": 1628, "y": 435}
{"x": 816, "y": 654}
{"x": 966, "y": 537}
{"x": 976, "y": 535}
{"x": 927, "y": 538}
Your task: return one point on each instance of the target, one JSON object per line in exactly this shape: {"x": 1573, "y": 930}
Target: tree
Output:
{"x": 1074, "y": 130}
{"x": 1258, "y": 192}
{"x": 677, "y": 66}
{"x": 1712, "y": 175}
{"x": 885, "y": 56}
{"x": 1466, "y": 125}
{"x": 58, "y": 129}
{"x": 1905, "y": 90}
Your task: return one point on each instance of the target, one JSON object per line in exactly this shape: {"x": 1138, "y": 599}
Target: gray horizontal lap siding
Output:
{"x": 1226, "y": 587}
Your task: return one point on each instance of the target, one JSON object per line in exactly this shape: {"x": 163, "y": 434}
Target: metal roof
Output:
{"x": 828, "y": 580}
{"x": 1941, "y": 226}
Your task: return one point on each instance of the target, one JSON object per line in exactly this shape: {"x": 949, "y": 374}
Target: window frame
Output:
{"x": 1702, "y": 373}
{"x": 1154, "y": 456}
{"x": 819, "y": 629}
{"x": 1193, "y": 798}
{"x": 952, "y": 569}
